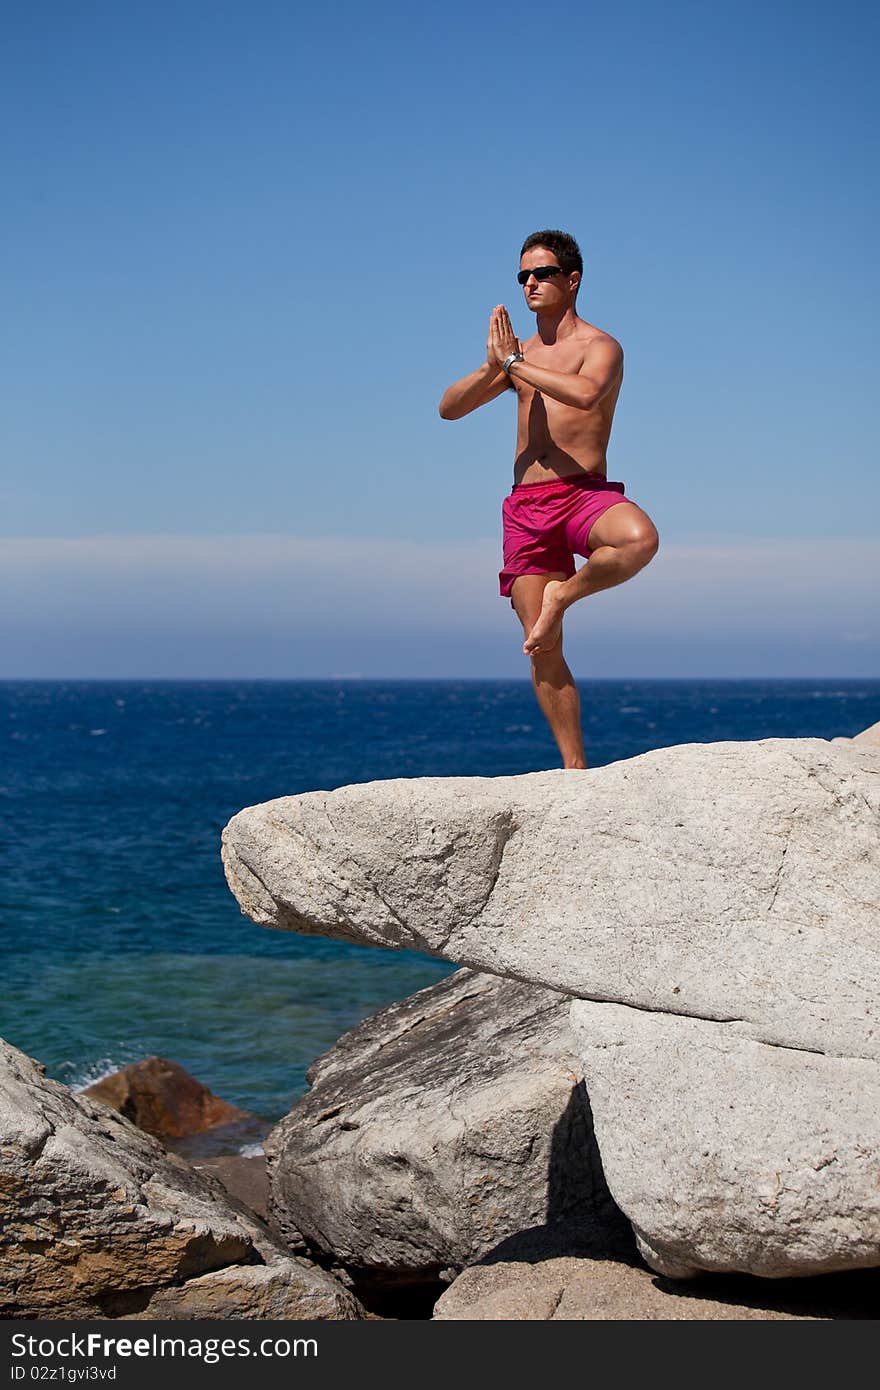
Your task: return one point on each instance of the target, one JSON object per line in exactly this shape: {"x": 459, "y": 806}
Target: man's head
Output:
{"x": 542, "y": 251}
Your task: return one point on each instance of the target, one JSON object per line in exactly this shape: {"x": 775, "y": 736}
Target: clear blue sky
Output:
{"x": 248, "y": 245}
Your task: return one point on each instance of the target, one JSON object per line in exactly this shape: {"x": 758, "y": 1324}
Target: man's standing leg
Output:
{"x": 554, "y": 684}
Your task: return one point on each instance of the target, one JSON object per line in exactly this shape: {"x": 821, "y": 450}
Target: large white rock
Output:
{"x": 729, "y": 1154}
{"x": 732, "y": 881}
{"x": 726, "y": 891}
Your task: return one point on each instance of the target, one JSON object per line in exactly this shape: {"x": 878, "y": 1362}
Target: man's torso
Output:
{"x": 556, "y": 440}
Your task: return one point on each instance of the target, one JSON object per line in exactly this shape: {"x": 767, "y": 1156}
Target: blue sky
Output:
{"x": 248, "y": 245}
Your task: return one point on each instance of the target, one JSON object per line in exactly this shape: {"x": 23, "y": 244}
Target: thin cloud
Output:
{"x": 196, "y": 598}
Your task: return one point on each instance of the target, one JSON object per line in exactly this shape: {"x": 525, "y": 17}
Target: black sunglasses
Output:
{"x": 540, "y": 272}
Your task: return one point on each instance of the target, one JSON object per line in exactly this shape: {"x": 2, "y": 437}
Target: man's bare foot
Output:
{"x": 548, "y": 629}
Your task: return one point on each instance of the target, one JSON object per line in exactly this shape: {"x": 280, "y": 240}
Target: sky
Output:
{"x": 248, "y": 245}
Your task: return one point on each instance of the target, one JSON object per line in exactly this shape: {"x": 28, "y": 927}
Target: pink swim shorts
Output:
{"x": 547, "y": 524}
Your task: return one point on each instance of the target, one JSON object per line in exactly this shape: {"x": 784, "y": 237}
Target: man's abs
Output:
{"x": 555, "y": 440}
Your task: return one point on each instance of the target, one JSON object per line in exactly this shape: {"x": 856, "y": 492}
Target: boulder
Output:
{"x": 437, "y": 1128}
{"x": 717, "y": 891}
{"x": 732, "y": 881}
{"x": 575, "y": 1289}
{"x": 763, "y": 1159}
{"x": 97, "y": 1220}
{"x": 165, "y": 1100}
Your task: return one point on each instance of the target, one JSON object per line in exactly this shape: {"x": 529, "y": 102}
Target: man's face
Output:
{"x": 547, "y": 295}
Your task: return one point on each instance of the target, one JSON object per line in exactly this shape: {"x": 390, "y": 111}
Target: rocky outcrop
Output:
{"x": 97, "y": 1220}
{"x": 716, "y": 909}
{"x": 439, "y": 1127}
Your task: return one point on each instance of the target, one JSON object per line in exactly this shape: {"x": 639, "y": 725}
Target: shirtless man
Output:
{"x": 567, "y": 377}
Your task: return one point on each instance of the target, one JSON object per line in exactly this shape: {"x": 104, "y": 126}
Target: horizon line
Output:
{"x": 424, "y": 680}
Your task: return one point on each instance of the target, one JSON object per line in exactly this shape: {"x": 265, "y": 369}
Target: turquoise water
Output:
{"x": 119, "y": 936}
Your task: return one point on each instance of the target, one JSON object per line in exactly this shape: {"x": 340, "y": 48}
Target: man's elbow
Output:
{"x": 591, "y": 394}
{"x": 448, "y": 412}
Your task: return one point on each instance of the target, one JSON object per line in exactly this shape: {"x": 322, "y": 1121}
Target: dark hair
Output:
{"x": 563, "y": 246}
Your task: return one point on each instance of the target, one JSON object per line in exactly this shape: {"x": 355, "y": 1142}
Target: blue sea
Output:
{"x": 120, "y": 938}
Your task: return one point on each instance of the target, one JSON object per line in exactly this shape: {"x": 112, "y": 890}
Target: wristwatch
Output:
{"x": 509, "y": 361}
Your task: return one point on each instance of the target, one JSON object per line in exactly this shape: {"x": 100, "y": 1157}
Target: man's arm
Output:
{"x": 597, "y": 375}
{"x": 484, "y": 385}
{"x": 600, "y": 371}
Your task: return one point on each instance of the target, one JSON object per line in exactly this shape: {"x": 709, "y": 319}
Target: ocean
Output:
{"x": 119, "y": 936}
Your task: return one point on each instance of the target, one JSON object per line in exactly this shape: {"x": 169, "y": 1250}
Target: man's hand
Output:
{"x": 502, "y": 339}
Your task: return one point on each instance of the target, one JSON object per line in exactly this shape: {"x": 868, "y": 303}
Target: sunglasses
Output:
{"x": 540, "y": 272}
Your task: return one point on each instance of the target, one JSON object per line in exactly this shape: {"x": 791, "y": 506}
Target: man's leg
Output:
{"x": 553, "y": 681}
{"x": 621, "y": 543}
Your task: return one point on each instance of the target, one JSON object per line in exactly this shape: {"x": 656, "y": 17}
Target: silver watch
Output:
{"x": 509, "y": 361}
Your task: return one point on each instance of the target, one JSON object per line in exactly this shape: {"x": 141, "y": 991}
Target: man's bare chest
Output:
{"x": 567, "y": 358}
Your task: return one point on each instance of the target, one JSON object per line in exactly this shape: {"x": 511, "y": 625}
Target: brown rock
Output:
{"x": 163, "y": 1099}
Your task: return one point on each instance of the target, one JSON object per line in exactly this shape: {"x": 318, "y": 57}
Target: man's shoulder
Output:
{"x": 593, "y": 337}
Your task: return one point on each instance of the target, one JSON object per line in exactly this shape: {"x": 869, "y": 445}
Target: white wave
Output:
{"x": 94, "y": 1072}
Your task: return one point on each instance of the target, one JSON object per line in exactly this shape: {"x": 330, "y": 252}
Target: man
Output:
{"x": 567, "y": 378}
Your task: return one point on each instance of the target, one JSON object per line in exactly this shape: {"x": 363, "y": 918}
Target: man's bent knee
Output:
{"x": 642, "y": 547}
{"x": 648, "y": 545}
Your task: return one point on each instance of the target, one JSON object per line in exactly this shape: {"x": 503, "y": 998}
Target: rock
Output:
{"x": 724, "y": 897}
{"x": 608, "y": 1290}
{"x": 97, "y": 1220}
{"x": 870, "y": 736}
{"x": 763, "y": 1159}
{"x": 287, "y": 1290}
{"x": 164, "y": 1100}
{"x": 435, "y": 1129}
{"x": 729, "y": 881}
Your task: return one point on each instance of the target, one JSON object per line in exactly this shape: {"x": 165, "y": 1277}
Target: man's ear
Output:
{"x": 574, "y": 280}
